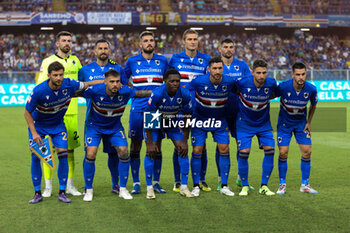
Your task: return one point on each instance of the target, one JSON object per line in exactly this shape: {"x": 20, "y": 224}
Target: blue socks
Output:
{"x": 176, "y": 166}
{"x": 225, "y": 164}
{"x": 204, "y": 164}
{"x": 267, "y": 166}
{"x": 157, "y": 167}
{"x": 282, "y": 169}
{"x": 135, "y": 166}
{"x": 89, "y": 171}
{"x": 123, "y": 171}
{"x": 149, "y": 164}
{"x": 113, "y": 161}
{"x": 305, "y": 167}
{"x": 62, "y": 170}
{"x": 243, "y": 167}
{"x": 184, "y": 169}
{"x": 196, "y": 167}
{"x": 217, "y": 159}
{"x": 35, "y": 169}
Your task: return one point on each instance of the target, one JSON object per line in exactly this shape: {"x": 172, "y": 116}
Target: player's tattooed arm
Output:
{"x": 29, "y": 118}
{"x": 87, "y": 84}
{"x": 309, "y": 118}
{"x": 142, "y": 94}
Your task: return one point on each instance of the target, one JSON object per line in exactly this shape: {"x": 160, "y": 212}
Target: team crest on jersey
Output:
{"x": 30, "y": 142}
{"x": 239, "y": 143}
{"x": 193, "y": 139}
{"x": 157, "y": 62}
{"x": 92, "y": 70}
{"x": 139, "y": 63}
{"x": 56, "y": 92}
{"x": 266, "y": 90}
{"x": 224, "y": 88}
{"x": 47, "y": 97}
{"x": 73, "y": 62}
{"x": 236, "y": 67}
{"x": 64, "y": 91}
{"x": 120, "y": 97}
{"x": 89, "y": 140}
{"x": 200, "y": 60}
{"x": 306, "y": 94}
{"x": 279, "y": 139}
{"x": 179, "y": 100}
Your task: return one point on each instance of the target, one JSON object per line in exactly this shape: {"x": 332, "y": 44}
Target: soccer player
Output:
{"x": 146, "y": 70}
{"x": 95, "y": 71}
{"x": 108, "y": 102}
{"x": 44, "y": 113}
{"x": 190, "y": 63}
{"x": 71, "y": 65}
{"x": 170, "y": 99}
{"x": 233, "y": 68}
{"x": 253, "y": 119}
{"x": 295, "y": 95}
{"x": 211, "y": 92}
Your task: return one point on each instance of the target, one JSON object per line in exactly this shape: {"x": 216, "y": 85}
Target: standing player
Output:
{"x": 190, "y": 63}
{"x": 253, "y": 118}
{"x": 211, "y": 92}
{"x": 71, "y": 65}
{"x": 108, "y": 102}
{"x": 95, "y": 71}
{"x": 44, "y": 113}
{"x": 170, "y": 99}
{"x": 146, "y": 70}
{"x": 295, "y": 94}
{"x": 233, "y": 68}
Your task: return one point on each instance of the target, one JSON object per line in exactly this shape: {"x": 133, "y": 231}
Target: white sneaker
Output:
{"x": 124, "y": 193}
{"x": 88, "y": 195}
{"x": 47, "y": 192}
{"x": 306, "y": 188}
{"x": 185, "y": 192}
{"x": 196, "y": 191}
{"x": 73, "y": 190}
{"x": 282, "y": 189}
{"x": 226, "y": 191}
{"x": 150, "y": 193}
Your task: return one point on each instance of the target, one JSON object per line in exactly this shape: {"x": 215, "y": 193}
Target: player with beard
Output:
{"x": 96, "y": 71}
{"x": 146, "y": 71}
{"x": 71, "y": 66}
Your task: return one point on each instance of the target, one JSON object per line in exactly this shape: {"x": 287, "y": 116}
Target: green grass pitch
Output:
{"x": 328, "y": 211}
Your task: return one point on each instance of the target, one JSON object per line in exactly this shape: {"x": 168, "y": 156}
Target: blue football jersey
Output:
{"x": 160, "y": 100}
{"x": 210, "y": 99}
{"x": 254, "y": 103}
{"x": 49, "y": 106}
{"x": 238, "y": 68}
{"x": 189, "y": 67}
{"x": 145, "y": 75}
{"x": 93, "y": 71}
{"x": 106, "y": 110}
{"x": 293, "y": 107}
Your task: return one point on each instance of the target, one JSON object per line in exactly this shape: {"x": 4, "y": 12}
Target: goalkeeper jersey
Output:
{"x": 71, "y": 66}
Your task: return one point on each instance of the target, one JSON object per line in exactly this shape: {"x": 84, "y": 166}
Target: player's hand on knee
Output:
{"x": 152, "y": 149}
{"x": 183, "y": 149}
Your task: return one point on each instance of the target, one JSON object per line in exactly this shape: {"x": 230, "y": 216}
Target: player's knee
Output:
{"x": 198, "y": 150}
{"x": 135, "y": 145}
{"x": 283, "y": 154}
{"x": 306, "y": 153}
{"x": 223, "y": 148}
{"x": 91, "y": 155}
{"x": 123, "y": 155}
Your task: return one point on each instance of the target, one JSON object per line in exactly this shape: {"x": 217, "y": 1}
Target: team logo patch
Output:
{"x": 239, "y": 143}
{"x": 132, "y": 133}
{"x": 266, "y": 90}
{"x": 179, "y": 66}
{"x": 120, "y": 97}
{"x": 200, "y": 60}
{"x": 279, "y": 139}
{"x": 179, "y": 100}
{"x": 30, "y": 142}
{"x": 64, "y": 92}
{"x": 89, "y": 140}
{"x": 157, "y": 62}
{"x": 151, "y": 120}
{"x": 306, "y": 94}
{"x": 224, "y": 88}
{"x": 193, "y": 139}
{"x": 236, "y": 67}
{"x": 73, "y": 62}
{"x": 149, "y": 101}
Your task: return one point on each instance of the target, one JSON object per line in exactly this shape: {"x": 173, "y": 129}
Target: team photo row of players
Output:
{"x": 192, "y": 87}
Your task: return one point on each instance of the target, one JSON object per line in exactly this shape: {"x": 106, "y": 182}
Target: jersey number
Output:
{"x": 121, "y": 131}
{"x": 64, "y": 136}
{"x": 76, "y": 136}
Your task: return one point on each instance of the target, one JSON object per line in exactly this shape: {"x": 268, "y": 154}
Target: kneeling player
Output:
{"x": 295, "y": 94}
{"x": 108, "y": 101}
{"x": 168, "y": 100}
{"x": 44, "y": 113}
